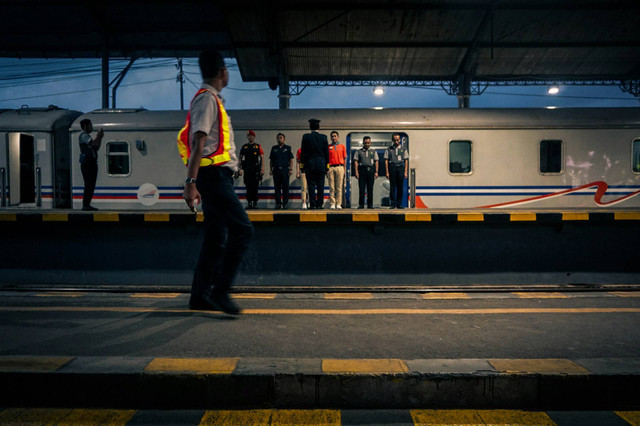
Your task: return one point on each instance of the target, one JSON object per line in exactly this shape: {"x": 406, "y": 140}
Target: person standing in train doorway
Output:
{"x": 337, "y": 157}
{"x": 89, "y": 161}
{"x": 315, "y": 162}
{"x": 211, "y": 165}
{"x": 252, "y": 165}
{"x": 281, "y": 165}
{"x": 365, "y": 161}
{"x": 396, "y": 159}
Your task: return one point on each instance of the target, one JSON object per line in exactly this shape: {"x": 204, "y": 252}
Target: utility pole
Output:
{"x": 180, "y": 79}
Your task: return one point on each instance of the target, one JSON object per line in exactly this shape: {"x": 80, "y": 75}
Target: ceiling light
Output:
{"x": 378, "y": 108}
{"x": 553, "y": 90}
{"x": 379, "y": 90}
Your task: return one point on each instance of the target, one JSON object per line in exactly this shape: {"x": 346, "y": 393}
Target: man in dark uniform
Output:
{"x": 396, "y": 158}
{"x": 252, "y": 165}
{"x": 281, "y": 164}
{"x": 365, "y": 161}
{"x": 89, "y": 161}
{"x": 315, "y": 162}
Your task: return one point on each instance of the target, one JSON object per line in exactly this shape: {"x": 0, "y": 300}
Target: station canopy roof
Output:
{"x": 347, "y": 40}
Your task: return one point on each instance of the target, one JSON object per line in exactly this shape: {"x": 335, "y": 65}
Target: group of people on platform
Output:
{"x": 317, "y": 159}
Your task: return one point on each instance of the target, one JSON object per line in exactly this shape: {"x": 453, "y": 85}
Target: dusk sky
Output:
{"x": 151, "y": 83}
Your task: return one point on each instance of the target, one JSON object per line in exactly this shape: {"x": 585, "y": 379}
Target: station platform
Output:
{"x": 534, "y": 351}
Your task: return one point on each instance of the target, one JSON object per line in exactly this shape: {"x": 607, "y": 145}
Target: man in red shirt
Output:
{"x": 337, "y": 157}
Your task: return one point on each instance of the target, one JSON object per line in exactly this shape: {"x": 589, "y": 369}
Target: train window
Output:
{"x": 118, "y": 159}
{"x": 551, "y": 156}
{"x": 460, "y": 157}
{"x": 636, "y": 156}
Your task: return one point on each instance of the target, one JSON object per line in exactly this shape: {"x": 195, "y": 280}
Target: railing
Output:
{"x": 3, "y": 180}
{"x": 38, "y": 187}
{"x": 412, "y": 189}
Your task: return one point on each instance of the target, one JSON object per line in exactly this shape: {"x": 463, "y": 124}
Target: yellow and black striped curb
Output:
{"x": 179, "y": 383}
{"x": 343, "y": 217}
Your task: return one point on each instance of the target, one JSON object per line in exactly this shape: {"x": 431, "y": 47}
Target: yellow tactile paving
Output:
{"x": 540, "y": 295}
{"x": 97, "y": 417}
{"x": 575, "y": 216}
{"x": 260, "y": 217}
{"x": 365, "y": 217}
{"x": 55, "y": 217}
{"x": 155, "y": 295}
{"x": 470, "y": 217}
{"x": 417, "y": 217}
{"x": 313, "y": 217}
{"x": 33, "y": 363}
{"x": 479, "y": 417}
{"x": 33, "y": 416}
{"x": 236, "y": 418}
{"x": 253, "y": 296}
{"x": 61, "y": 294}
{"x": 438, "y": 296}
{"x": 514, "y": 417}
{"x": 198, "y": 365}
{"x": 8, "y": 217}
{"x": 306, "y": 417}
{"x": 627, "y": 216}
{"x": 338, "y": 296}
{"x": 625, "y": 293}
{"x": 156, "y": 217}
{"x": 364, "y": 366}
{"x": 106, "y": 217}
{"x": 522, "y": 217}
{"x": 562, "y": 366}
{"x": 632, "y": 417}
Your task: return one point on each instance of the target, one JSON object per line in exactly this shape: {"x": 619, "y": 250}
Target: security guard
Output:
{"x": 252, "y": 164}
{"x": 281, "y": 162}
{"x": 365, "y": 161}
{"x": 396, "y": 159}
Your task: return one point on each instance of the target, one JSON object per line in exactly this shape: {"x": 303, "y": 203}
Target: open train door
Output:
{"x": 22, "y": 180}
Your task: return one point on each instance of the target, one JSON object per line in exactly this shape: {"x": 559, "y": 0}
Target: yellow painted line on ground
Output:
{"x": 470, "y": 217}
{"x": 480, "y": 417}
{"x": 338, "y": 296}
{"x": 64, "y": 416}
{"x": 522, "y": 217}
{"x": 627, "y": 216}
{"x": 156, "y": 217}
{"x": 540, "y": 295}
{"x": 155, "y": 295}
{"x": 8, "y": 217}
{"x": 198, "y": 365}
{"x": 199, "y": 217}
{"x": 306, "y": 417}
{"x": 377, "y": 366}
{"x": 537, "y": 366}
{"x": 55, "y": 217}
{"x": 34, "y": 363}
{"x": 381, "y": 311}
{"x": 438, "y": 296}
{"x": 313, "y": 217}
{"x": 632, "y": 417}
{"x": 236, "y": 417}
{"x": 61, "y": 294}
{"x": 417, "y": 217}
{"x": 625, "y": 293}
{"x": 106, "y": 217}
{"x": 575, "y": 216}
{"x": 515, "y": 417}
{"x": 253, "y": 296}
{"x": 364, "y": 217}
{"x": 260, "y": 217}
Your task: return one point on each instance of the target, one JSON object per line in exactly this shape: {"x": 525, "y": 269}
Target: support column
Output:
{"x": 283, "y": 95}
{"x": 105, "y": 72}
{"x": 464, "y": 91}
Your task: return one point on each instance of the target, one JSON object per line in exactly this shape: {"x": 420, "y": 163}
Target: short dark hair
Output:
{"x": 314, "y": 125}
{"x": 84, "y": 123}
{"x": 211, "y": 62}
{"x": 395, "y": 135}
{"x": 365, "y": 138}
{"x": 281, "y": 134}
{"x": 337, "y": 134}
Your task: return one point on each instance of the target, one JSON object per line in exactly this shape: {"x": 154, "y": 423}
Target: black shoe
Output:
{"x": 360, "y": 207}
{"x": 223, "y": 303}
{"x": 284, "y": 207}
{"x": 89, "y": 209}
{"x": 201, "y": 303}
{"x": 400, "y": 207}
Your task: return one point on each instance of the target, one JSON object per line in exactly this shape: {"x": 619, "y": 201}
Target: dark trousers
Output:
{"x": 396, "y": 184}
{"x": 252, "y": 181}
{"x": 365, "y": 183}
{"x": 315, "y": 182}
{"x": 90, "y": 175}
{"x": 227, "y": 232}
{"x": 281, "y": 183}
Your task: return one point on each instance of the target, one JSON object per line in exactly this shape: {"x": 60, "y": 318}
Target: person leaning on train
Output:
{"x": 337, "y": 157}
{"x": 89, "y": 161}
{"x": 396, "y": 159}
{"x": 365, "y": 161}
{"x": 252, "y": 164}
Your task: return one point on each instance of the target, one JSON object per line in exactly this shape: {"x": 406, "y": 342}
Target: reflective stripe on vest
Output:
{"x": 221, "y": 155}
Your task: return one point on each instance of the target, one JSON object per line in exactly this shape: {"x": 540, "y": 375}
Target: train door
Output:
{"x": 380, "y": 141}
{"x": 22, "y": 181}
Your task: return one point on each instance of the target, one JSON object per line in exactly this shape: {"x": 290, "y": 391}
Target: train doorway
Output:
{"x": 380, "y": 141}
{"x": 22, "y": 180}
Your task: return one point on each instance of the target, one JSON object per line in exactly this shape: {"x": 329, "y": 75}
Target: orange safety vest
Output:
{"x": 221, "y": 155}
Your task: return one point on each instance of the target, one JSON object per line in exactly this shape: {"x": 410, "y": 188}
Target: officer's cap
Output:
{"x": 314, "y": 120}
{"x": 251, "y": 132}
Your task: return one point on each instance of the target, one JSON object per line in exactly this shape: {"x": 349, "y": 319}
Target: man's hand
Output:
{"x": 191, "y": 196}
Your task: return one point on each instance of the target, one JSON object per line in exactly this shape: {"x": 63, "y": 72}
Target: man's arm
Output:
{"x": 191, "y": 195}
{"x": 98, "y": 140}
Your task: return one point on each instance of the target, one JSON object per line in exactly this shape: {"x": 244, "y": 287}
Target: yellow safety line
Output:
{"x": 627, "y": 216}
{"x": 8, "y": 217}
{"x": 522, "y": 217}
{"x": 378, "y": 366}
{"x": 106, "y": 217}
{"x": 417, "y": 217}
{"x": 537, "y": 366}
{"x": 632, "y": 417}
{"x": 55, "y": 217}
{"x": 625, "y": 293}
{"x": 33, "y": 363}
{"x": 364, "y": 217}
{"x": 260, "y": 217}
{"x": 339, "y": 296}
{"x": 575, "y": 216}
{"x": 253, "y": 296}
{"x": 470, "y": 217}
{"x": 443, "y": 296}
{"x": 155, "y": 295}
{"x": 540, "y": 295}
{"x": 156, "y": 217}
{"x": 480, "y": 417}
{"x": 199, "y": 365}
{"x": 61, "y": 294}
{"x": 313, "y": 217}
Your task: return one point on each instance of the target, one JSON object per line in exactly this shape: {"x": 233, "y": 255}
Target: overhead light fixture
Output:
{"x": 378, "y": 91}
{"x": 553, "y": 90}
{"x": 378, "y": 108}
{"x": 551, "y": 107}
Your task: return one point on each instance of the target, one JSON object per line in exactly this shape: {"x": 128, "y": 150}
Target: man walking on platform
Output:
{"x": 281, "y": 165}
{"x": 315, "y": 162}
{"x": 252, "y": 165}
{"x": 211, "y": 164}
{"x": 396, "y": 159}
{"x": 337, "y": 157}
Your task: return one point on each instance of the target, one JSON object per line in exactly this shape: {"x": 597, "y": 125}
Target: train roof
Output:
{"x": 36, "y": 119}
{"x": 370, "y": 119}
